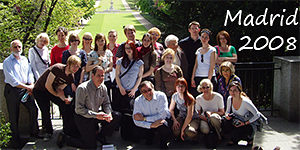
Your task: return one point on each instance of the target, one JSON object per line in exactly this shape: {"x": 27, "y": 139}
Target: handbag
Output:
{"x": 114, "y": 83}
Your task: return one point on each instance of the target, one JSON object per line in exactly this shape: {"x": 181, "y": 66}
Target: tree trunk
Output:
{"x": 53, "y": 3}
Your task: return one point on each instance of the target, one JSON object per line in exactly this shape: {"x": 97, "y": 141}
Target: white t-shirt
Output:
{"x": 203, "y": 67}
{"x": 212, "y": 105}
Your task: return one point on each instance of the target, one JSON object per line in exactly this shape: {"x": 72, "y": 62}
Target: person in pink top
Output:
{"x": 57, "y": 50}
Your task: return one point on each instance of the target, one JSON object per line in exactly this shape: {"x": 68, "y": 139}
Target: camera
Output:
{"x": 236, "y": 122}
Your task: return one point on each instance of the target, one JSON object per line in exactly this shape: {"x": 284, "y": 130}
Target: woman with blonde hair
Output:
{"x": 155, "y": 35}
{"x": 186, "y": 122}
{"x": 87, "y": 40}
{"x": 39, "y": 56}
{"x": 210, "y": 106}
{"x": 166, "y": 75}
{"x": 227, "y": 75}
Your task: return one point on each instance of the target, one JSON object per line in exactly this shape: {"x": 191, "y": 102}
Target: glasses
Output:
{"x": 205, "y": 87}
{"x": 17, "y": 46}
{"x": 222, "y": 38}
{"x": 146, "y": 91}
{"x": 181, "y": 86}
{"x": 154, "y": 34}
{"x": 74, "y": 41}
{"x": 169, "y": 57}
{"x": 127, "y": 47}
{"x": 88, "y": 39}
{"x": 202, "y": 60}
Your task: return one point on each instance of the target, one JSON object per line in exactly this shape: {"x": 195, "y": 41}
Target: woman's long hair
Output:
{"x": 98, "y": 37}
{"x": 125, "y": 61}
{"x": 188, "y": 98}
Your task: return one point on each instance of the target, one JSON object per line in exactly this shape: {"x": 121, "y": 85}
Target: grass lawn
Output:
{"x": 105, "y": 5}
{"x": 102, "y": 23}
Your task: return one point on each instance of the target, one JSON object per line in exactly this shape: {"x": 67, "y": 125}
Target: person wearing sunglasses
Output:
{"x": 151, "y": 115}
{"x": 87, "y": 40}
{"x": 57, "y": 50}
{"x": 186, "y": 123}
{"x": 210, "y": 106}
{"x": 155, "y": 35}
{"x": 226, "y": 71}
{"x": 204, "y": 63}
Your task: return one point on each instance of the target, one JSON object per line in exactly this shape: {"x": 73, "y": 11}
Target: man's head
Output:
{"x": 147, "y": 89}
{"x": 73, "y": 63}
{"x": 129, "y": 31}
{"x": 97, "y": 75}
{"x": 16, "y": 48}
{"x": 194, "y": 28}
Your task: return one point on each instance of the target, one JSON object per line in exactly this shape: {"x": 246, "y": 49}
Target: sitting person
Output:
{"x": 241, "y": 108}
{"x": 226, "y": 76}
{"x": 211, "y": 106}
{"x": 150, "y": 114}
{"x": 186, "y": 122}
{"x": 91, "y": 100}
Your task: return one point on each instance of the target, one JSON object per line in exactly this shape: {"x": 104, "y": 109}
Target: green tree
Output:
{"x": 4, "y": 131}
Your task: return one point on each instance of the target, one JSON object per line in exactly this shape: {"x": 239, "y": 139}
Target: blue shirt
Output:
{"x": 16, "y": 71}
{"x": 152, "y": 110}
{"x": 129, "y": 79}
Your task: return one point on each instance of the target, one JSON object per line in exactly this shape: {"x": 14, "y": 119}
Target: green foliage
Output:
{"x": 24, "y": 20}
{"x": 4, "y": 131}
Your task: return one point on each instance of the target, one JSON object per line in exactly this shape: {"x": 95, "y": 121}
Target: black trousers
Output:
{"x": 43, "y": 99}
{"x": 164, "y": 132}
{"x": 122, "y": 103}
{"x": 88, "y": 128}
{"x": 236, "y": 134}
{"x": 13, "y": 97}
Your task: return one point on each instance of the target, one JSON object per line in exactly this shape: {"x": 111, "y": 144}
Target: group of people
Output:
{"x": 180, "y": 90}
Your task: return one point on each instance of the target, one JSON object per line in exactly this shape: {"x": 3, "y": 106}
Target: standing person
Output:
{"x": 166, "y": 75}
{"x": 204, "y": 63}
{"x": 171, "y": 41}
{"x": 241, "y": 114}
{"x": 148, "y": 56}
{"x": 129, "y": 72}
{"x": 186, "y": 123}
{"x": 18, "y": 82}
{"x": 129, "y": 32}
{"x": 101, "y": 56}
{"x": 112, "y": 45}
{"x": 87, "y": 40}
{"x": 150, "y": 114}
{"x": 189, "y": 45}
{"x": 226, "y": 77}
{"x": 49, "y": 87}
{"x": 92, "y": 107}
{"x": 57, "y": 50}
{"x": 225, "y": 51}
{"x": 211, "y": 104}
{"x": 39, "y": 56}
{"x": 155, "y": 35}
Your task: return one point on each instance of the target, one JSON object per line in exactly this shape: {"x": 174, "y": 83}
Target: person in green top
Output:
{"x": 224, "y": 50}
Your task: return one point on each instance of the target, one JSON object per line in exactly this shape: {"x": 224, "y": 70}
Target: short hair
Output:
{"x": 62, "y": 29}
{"x": 129, "y": 27}
{"x": 208, "y": 82}
{"x": 156, "y": 30}
{"x": 112, "y": 31}
{"x": 42, "y": 35}
{"x": 98, "y": 37}
{"x": 167, "y": 52}
{"x": 229, "y": 65}
{"x": 73, "y": 60}
{"x": 169, "y": 38}
{"x": 144, "y": 83}
{"x": 73, "y": 37}
{"x": 226, "y": 35}
{"x": 15, "y": 41}
{"x": 97, "y": 68}
{"x": 194, "y": 23}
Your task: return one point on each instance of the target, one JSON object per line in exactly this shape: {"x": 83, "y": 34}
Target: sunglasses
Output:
{"x": 205, "y": 87}
{"x": 17, "y": 46}
{"x": 88, "y": 39}
{"x": 202, "y": 60}
{"x": 74, "y": 41}
{"x": 146, "y": 91}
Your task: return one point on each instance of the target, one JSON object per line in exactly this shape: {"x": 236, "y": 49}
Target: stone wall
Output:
{"x": 286, "y": 97}
{"x": 23, "y": 115}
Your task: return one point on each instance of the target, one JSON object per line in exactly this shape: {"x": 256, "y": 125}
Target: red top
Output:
{"x": 56, "y": 54}
{"x": 114, "y": 51}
